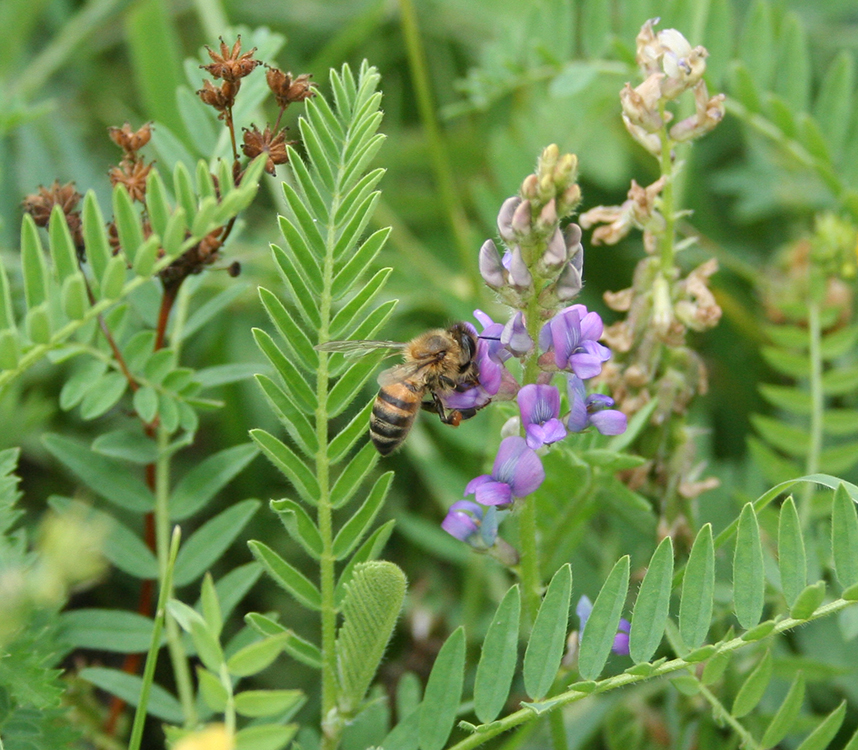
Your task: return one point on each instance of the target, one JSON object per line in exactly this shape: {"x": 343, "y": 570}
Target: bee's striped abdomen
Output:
{"x": 393, "y": 415}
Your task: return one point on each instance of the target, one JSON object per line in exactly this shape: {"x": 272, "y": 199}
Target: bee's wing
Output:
{"x": 359, "y": 347}
{"x": 398, "y": 373}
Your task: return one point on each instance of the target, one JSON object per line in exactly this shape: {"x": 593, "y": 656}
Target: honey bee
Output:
{"x": 438, "y": 362}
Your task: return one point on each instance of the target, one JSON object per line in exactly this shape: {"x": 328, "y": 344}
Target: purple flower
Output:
{"x": 594, "y": 410}
{"x": 471, "y": 523}
{"x": 491, "y": 268}
{"x": 517, "y": 472}
{"x": 573, "y": 335}
{"x": 539, "y": 406}
{"x": 621, "y": 639}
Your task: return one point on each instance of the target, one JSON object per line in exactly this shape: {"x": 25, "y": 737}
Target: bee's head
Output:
{"x": 466, "y": 340}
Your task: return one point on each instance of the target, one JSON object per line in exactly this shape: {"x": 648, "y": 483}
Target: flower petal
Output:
{"x": 494, "y": 493}
{"x": 515, "y": 336}
{"x": 475, "y": 483}
{"x": 609, "y": 422}
{"x": 459, "y": 524}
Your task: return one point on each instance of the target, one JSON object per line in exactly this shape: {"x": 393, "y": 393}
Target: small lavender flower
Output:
{"x": 594, "y": 410}
{"x": 539, "y": 406}
{"x": 517, "y": 472}
{"x": 572, "y": 335}
{"x": 471, "y": 523}
{"x": 621, "y": 639}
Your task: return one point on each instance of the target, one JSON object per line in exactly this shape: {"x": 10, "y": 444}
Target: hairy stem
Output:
{"x": 722, "y": 714}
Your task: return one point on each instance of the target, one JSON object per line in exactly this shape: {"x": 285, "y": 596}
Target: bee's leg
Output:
{"x": 452, "y": 417}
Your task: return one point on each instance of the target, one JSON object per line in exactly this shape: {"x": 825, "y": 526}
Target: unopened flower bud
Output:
{"x": 545, "y": 188}
{"x": 708, "y": 113}
{"x": 567, "y": 201}
{"x": 491, "y": 268}
{"x": 556, "y": 252}
{"x": 683, "y": 66}
{"x": 648, "y": 48}
{"x": 572, "y": 238}
{"x": 529, "y": 186}
{"x": 518, "y": 272}
{"x": 547, "y": 216}
{"x": 515, "y": 336}
{"x": 511, "y": 427}
{"x": 566, "y": 170}
{"x": 521, "y": 219}
{"x": 505, "y": 218}
{"x": 548, "y": 159}
{"x": 569, "y": 283}
{"x": 650, "y": 141}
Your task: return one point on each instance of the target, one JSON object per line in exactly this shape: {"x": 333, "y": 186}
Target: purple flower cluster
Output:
{"x": 570, "y": 344}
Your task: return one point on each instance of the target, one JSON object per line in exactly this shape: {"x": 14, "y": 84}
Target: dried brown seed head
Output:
{"x": 287, "y": 89}
{"x": 130, "y": 141}
{"x": 231, "y": 64}
{"x": 222, "y": 98}
{"x": 40, "y": 204}
{"x": 133, "y": 175}
{"x": 266, "y": 142}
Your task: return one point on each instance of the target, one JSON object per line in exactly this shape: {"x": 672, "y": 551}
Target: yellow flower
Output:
{"x": 213, "y": 737}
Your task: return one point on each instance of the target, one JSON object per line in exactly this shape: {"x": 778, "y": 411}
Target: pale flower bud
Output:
{"x": 548, "y": 216}
{"x": 521, "y": 219}
{"x": 529, "y": 186}
{"x": 682, "y": 65}
{"x": 709, "y": 112}
{"x": 648, "y": 49}
{"x": 556, "y": 252}
{"x": 569, "y": 283}
{"x": 640, "y": 104}
{"x": 567, "y": 201}
{"x": 491, "y": 268}
{"x": 650, "y": 141}
{"x": 505, "y": 218}
{"x": 518, "y": 272}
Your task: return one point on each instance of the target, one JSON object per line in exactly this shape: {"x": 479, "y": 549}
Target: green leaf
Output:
{"x": 749, "y": 579}
{"x": 304, "y": 222}
{"x": 128, "y": 687}
{"x": 346, "y": 389}
{"x": 146, "y": 403}
{"x": 287, "y": 576}
{"x": 300, "y": 526}
{"x": 127, "y": 223}
{"x": 844, "y": 537}
{"x": 369, "y": 550}
{"x": 355, "y": 309}
{"x": 839, "y": 342}
{"x": 698, "y": 589}
{"x": 211, "y": 540}
{"x": 298, "y": 648}
{"x": 196, "y": 488}
{"x": 792, "y": 560}
{"x": 113, "y": 280}
{"x": 353, "y": 230}
{"x": 306, "y": 184}
{"x": 211, "y": 606}
{"x": 370, "y": 609}
{"x": 787, "y": 713}
{"x": 833, "y": 106}
{"x": 107, "y": 478}
{"x": 715, "y": 667}
{"x": 757, "y": 47}
{"x": 319, "y": 157}
{"x": 39, "y": 324}
{"x": 296, "y": 384}
{"x": 820, "y": 737}
{"x": 350, "y": 434}
{"x": 285, "y": 459}
{"x": 103, "y": 395}
{"x": 302, "y": 258}
{"x": 293, "y": 335}
{"x": 75, "y": 302}
{"x": 358, "y": 263}
{"x": 498, "y": 658}
{"x": 652, "y": 605}
{"x": 232, "y": 587}
{"x": 106, "y": 630}
{"x": 753, "y": 687}
{"x": 839, "y": 459}
{"x": 352, "y": 476}
{"x": 98, "y": 251}
{"x": 356, "y": 167}
{"x": 127, "y": 445}
{"x": 786, "y": 363}
{"x": 296, "y": 289}
{"x": 294, "y": 420}
{"x": 547, "y": 639}
{"x": 358, "y": 525}
{"x": 356, "y": 194}
{"x": 840, "y": 381}
{"x": 840, "y": 421}
{"x": 443, "y": 691}
{"x": 61, "y": 245}
{"x": 33, "y": 265}
{"x": 255, "y": 657}
{"x": 84, "y": 377}
{"x": 791, "y": 440}
{"x": 265, "y": 737}
{"x": 212, "y": 689}
{"x": 787, "y": 397}
{"x": 598, "y": 636}
{"x": 793, "y": 68}
{"x": 743, "y": 87}
{"x": 808, "y": 600}
{"x": 256, "y": 703}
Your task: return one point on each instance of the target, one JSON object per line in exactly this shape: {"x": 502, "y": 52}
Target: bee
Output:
{"x": 438, "y": 362}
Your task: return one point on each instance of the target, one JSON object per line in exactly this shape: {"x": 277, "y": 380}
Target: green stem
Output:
{"x": 451, "y": 205}
{"x": 487, "y": 731}
{"x": 667, "y": 238}
{"x": 721, "y": 713}
{"x": 558, "y": 731}
{"x": 155, "y": 646}
{"x": 178, "y": 656}
{"x": 817, "y": 411}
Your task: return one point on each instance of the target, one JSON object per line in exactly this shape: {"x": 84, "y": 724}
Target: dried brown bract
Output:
{"x": 221, "y": 98}
{"x": 286, "y": 89}
{"x": 231, "y": 65}
{"x": 130, "y": 141}
{"x": 267, "y": 142}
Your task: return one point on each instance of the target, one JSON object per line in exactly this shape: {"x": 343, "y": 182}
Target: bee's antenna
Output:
{"x": 489, "y": 338}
